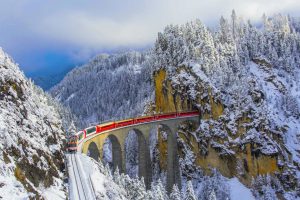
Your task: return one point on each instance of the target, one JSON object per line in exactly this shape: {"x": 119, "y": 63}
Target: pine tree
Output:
{"x": 176, "y": 194}
{"x": 71, "y": 129}
{"x": 190, "y": 194}
{"x": 107, "y": 171}
{"x": 158, "y": 191}
{"x": 225, "y": 31}
{"x": 266, "y": 23}
{"x": 117, "y": 178}
{"x": 234, "y": 24}
{"x": 135, "y": 189}
{"x": 212, "y": 195}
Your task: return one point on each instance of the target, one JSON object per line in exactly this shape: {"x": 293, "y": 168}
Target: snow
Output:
{"x": 197, "y": 69}
{"x": 239, "y": 191}
{"x": 53, "y": 193}
{"x": 131, "y": 148}
{"x": 12, "y": 189}
{"x": 102, "y": 184}
{"x": 274, "y": 97}
{"x": 82, "y": 171}
{"x": 70, "y": 97}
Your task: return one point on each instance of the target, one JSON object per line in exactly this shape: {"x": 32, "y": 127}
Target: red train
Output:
{"x": 81, "y": 135}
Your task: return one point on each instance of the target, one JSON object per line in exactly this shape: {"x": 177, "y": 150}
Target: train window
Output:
{"x": 90, "y": 130}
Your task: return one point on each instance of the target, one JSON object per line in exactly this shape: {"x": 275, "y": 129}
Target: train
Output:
{"x": 74, "y": 140}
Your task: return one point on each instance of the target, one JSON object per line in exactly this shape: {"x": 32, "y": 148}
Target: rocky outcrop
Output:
{"x": 237, "y": 141}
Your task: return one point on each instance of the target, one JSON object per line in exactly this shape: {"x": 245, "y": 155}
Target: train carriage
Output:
{"x": 90, "y": 130}
{"x": 123, "y": 123}
{"x": 144, "y": 119}
{"x": 105, "y": 127}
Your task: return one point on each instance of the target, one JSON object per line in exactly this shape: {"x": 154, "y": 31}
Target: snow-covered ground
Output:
{"x": 13, "y": 189}
{"x": 54, "y": 192}
{"x": 238, "y": 191}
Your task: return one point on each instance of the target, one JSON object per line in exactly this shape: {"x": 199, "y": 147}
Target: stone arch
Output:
{"x": 173, "y": 172}
{"x": 143, "y": 157}
{"x": 116, "y": 152}
{"x": 93, "y": 151}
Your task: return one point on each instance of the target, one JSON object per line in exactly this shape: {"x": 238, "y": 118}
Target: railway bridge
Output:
{"x": 169, "y": 123}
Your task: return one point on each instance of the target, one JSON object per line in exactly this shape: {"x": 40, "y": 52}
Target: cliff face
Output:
{"x": 173, "y": 97}
{"x": 31, "y": 138}
{"x": 167, "y": 98}
{"x": 239, "y": 142}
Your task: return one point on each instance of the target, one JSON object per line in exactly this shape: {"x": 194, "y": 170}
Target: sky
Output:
{"x": 52, "y": 35}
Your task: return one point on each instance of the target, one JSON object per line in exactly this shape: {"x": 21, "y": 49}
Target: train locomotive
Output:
{"x": 72, "y": 143}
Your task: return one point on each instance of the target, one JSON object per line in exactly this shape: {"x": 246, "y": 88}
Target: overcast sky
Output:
{"x": 55, "y": 34}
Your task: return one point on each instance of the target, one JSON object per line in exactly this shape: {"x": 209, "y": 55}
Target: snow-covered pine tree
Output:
{"x": 135, "y": 188}
{"x": 117, "y": 177}
{"x": 158, "y": 191}
{"x": 212, "y": 195}
{"x": 234, "y": 24}
{"x": 175, "y": 194}
{"x": 107, "y": 171}
{"x": 72, "y": 129}
{"x": 131, "y": 147}
{"x": 189, "y": 193}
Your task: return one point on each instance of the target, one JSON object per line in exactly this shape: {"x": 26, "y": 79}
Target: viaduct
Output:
{"x": 93, "y": 146}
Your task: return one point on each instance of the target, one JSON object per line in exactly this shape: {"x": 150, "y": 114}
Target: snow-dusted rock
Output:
{"x": 31, "y": 138}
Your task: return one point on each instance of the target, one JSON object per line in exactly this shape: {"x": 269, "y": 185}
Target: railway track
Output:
{"x": 81, "y": 190}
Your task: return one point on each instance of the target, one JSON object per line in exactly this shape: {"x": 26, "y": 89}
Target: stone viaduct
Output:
{"x": 94, "y": 147}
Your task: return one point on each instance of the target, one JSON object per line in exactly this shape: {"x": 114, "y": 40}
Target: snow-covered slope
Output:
{"x": 108, "y": 87}
{"x": 245, "y": 82}
{"x": 31, "y": 158}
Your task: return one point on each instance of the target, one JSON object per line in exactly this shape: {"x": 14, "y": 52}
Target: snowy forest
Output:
{"x": 111, "y": 86}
